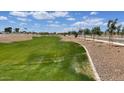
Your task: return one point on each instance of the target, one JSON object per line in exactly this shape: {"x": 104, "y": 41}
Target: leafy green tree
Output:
{"x": 75, "y": 33}
{"x": 8, "y": 30}
{"x": 84, "y": 32}
{"x": 65, "y": 33}
{"x": 69, "y": 33}
{"x": 93, "y": 33}
{"x": 111, "y": 27}
{"x": 87, "y": 31}
{"x": 17, "y": 30}
{"x": 122, "y": 33}
{"x": 118, "y": 29}
{"x": 105, "y": 33}
{"x": 96, "y": 31}
{"x": 80, "y": 32}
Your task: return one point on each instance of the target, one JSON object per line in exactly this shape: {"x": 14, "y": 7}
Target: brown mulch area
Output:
{"x": 7, "y": 38}
{"x": 108, "y": 60}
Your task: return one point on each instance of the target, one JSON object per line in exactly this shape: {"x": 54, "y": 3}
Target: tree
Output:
{"x": 69, "y": 33}
{"x": 65, "y": 33}
{"x": 8, "y": 30}
{"x": 87, "y": 31}
{"x": 111, "y": 28}
{"x": 17, "y": 30}
{"x": 122, "y": 33}
{"x": 80, "y": 32}
{"x": 84, "y": 32}
{"x": 118, "y": 29}
{"x": 75, "y": 33}
{"x": 96, "y": 31}
{"x": 105, "y": 33}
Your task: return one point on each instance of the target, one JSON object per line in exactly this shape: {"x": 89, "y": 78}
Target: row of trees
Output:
{"x": 9, "y": 30}
{"x": 93, "y": 32}
{"x": 17, "y": 30}
{"x": 112, "y": 29}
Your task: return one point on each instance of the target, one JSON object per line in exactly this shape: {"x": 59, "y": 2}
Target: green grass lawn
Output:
{"x": 44, "y": 58}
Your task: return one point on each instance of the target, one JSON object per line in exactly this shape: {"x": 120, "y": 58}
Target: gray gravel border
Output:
{"x": 92, "y": 65}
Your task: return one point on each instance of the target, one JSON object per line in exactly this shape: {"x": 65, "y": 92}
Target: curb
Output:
{"x": 97, "y": 78}
{"x": 104, "y": 41}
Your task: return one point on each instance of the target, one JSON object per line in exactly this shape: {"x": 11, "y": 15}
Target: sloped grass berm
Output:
{"x": 44, "y": 58}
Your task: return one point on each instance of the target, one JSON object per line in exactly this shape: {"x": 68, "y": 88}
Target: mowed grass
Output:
{"x": 44, "y": 58}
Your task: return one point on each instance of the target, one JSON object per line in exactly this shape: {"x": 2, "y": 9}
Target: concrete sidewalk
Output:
{"x": 104, "y": 41}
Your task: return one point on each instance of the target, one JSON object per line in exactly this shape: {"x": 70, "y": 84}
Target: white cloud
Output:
{"x": 56, "y": 22}
{"x": 122, "y": 23}
{"x": 67, "y": 29}
{"x": 40, "y": 15}
{"x": 23, "y": 24}
{"x": 90, "y": 22}
{"x": 78, "y": 23}
{"x": 60, "y": 14}
{"x": 105, "y": 24}
{"x": 85, "y": 17}
{"x": 3, "y": 18}
{"x": 119, "y": 23}
{"x": 77, "y": 13}
{"x": 23, "y": 19}
{"x": 71, "y": 19}
{"x": 70, "y": 29}
{"x": 50, "y": 21}
{"x": 64, "y": 24}
{"x": 54, "y": 25}
{"x": 93, "y": 13}
{"x": 37, "y": 25}
{"x": 12, "y": 21}
{"x": 20, "y": 14}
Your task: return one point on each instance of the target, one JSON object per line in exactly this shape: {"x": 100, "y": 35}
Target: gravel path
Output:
{"x": 7, "y": 38}
{"x": 108, "y": 60}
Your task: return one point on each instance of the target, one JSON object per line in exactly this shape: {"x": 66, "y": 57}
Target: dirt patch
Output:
{"x": 108, "y": 60}
{"x": 7, "y": 38}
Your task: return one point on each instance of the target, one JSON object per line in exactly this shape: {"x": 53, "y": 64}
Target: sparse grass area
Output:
{"x": 44, "y": 58}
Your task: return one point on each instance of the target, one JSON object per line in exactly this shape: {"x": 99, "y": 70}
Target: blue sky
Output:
{"x": 57, "y": 21}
